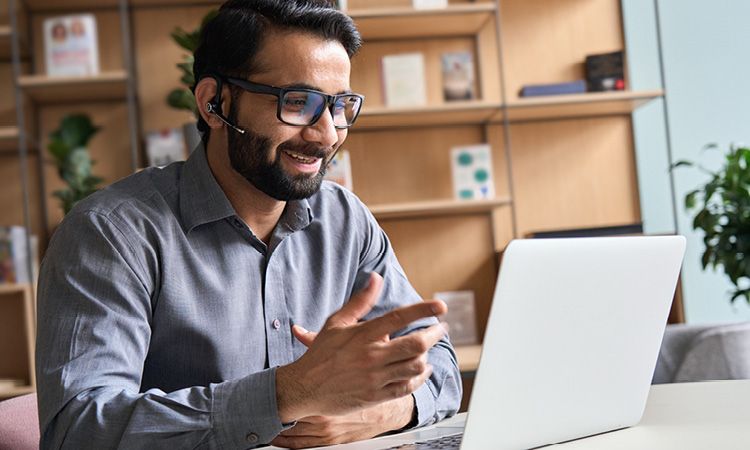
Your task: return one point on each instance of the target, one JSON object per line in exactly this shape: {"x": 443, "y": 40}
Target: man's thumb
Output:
{"x": 359, "y": 304}
{"x": 304, "y": 336}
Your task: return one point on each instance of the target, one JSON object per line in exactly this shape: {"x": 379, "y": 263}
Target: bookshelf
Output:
{"x": 400, "y": 156}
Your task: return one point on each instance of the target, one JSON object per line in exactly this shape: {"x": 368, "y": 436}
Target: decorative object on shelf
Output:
{"x": 429, "y": 4}
{"x": 67, "y": 145}
{"x": 461, "y": 316}
{"x": 604, "y": 72}
{"x": 722, "y": 214}
{"x": 71, "y": 45}
{"x": 472, "y": 172}
{"x": 458, "y": 76}
{"x": 404, "y": 80}
{"x": 342, "y": 5}
{"x": 14, "y": 264}
{"x": 340, "y": 169}
{"x": 165, "y": 147}
{"x": 569, "y": 87}
{"x": 183, "y": 98}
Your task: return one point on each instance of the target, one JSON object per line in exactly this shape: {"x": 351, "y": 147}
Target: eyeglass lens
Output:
{"x": 305, "y": 108}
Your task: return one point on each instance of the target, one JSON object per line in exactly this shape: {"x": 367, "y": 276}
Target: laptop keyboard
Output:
{"x": 446, "y": 442}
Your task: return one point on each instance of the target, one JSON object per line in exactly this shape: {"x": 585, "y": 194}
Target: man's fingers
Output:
{"x": 403, "y": 388}
{"x": 304, "y": 336}
{"x": 413, "y": 344}
{"x": 398, "y": 319}
{"x": 358, "y": 305}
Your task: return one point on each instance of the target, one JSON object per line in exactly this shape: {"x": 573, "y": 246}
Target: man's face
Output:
{"x": 288, "y": 162}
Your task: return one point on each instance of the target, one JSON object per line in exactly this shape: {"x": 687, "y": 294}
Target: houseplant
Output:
{"x": 722, "y": 208}
{"x": 67, "y": 145}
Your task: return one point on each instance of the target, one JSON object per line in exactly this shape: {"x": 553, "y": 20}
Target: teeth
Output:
{"x": 301, "y": 158}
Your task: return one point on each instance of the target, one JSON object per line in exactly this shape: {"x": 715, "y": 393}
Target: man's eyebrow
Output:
{"x": 314, "y": 88}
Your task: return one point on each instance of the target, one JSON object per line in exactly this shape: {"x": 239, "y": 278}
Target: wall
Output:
{"x": 704, "y": 48}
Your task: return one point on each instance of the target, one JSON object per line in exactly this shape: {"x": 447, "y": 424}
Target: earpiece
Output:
{"x": 215, "y": 108}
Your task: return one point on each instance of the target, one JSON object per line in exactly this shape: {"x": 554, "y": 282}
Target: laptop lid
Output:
{"x": 572, "y": 339}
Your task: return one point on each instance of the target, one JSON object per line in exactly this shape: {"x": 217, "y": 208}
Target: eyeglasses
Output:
{"x": 303, "y": 107}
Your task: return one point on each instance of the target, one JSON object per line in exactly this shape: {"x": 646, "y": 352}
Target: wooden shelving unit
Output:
{"x": 8, "y": 139}
{"x": 437, "y": 208}
{"x": 468, "y": 357}
{"x": 456, "y": 113}
{"x": 5, "y": 43}
{"x": 45, "y": 89}
{"x": 16, "y": 342}
{"x": 591, "y": 104}
{"x": 406, "y": 22}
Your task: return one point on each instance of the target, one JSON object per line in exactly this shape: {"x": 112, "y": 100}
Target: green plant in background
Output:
{"x": 67, "y": 146}
{"x": 723, "y": 214}
{"x": 183, "y": 98}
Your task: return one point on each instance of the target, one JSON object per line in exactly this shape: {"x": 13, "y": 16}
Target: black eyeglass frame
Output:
{"x": 280, "y": 92}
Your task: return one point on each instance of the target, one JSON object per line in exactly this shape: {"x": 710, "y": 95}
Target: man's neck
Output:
{"x": 259, "y": 211}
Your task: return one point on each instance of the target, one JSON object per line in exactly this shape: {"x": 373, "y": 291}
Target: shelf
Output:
{"x": 47, "y": 89}
{"x": 15, "y": 392}
{"x": 455, "y": 113}
{"x": 70, "y": 5}
{"x": 6, "y": 52}
{"x": 437, "y": 208}
{"x": 14, "y": 288}
{"x": 468, "y": 357}
{"x": 8, "y": 140}
{"x": 395, "y": 23}
{"x": 577, "y": 105}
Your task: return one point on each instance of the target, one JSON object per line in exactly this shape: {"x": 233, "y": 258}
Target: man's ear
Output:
{"x": 205, "y": 93}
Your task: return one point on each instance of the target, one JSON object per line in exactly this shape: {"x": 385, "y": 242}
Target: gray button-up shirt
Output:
{"x": 162, "y": 318}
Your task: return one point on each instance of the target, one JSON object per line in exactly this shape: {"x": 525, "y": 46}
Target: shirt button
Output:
{"x": 251, "y": 438}
{"x": 276, "y": 324}
{"x": 237, "y": 223}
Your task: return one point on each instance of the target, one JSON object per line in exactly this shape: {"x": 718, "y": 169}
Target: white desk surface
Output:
{"x": 707, "y": 415}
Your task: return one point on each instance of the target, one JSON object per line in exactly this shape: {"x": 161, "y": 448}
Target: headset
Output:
{"x": 215, "y": 107}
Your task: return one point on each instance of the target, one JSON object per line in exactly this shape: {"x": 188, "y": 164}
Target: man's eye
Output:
{"x": 295, "y": 102}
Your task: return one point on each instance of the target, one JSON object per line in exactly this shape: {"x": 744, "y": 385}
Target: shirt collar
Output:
{"x": 203, "y": 201}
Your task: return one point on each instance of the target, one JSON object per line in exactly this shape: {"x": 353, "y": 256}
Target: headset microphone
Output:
{"x": 212, "y": 109}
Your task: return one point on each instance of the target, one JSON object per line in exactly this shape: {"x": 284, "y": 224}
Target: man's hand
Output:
{"x": 318, "y": 431}
{"x": 353, "y": 365}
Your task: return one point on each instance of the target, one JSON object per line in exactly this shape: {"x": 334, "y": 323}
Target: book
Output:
{"x": 604, "y": 72}
{"x": 570, "y": 87}
{"x": 340, "y": 169}
{"x": 165, "y": 147}
{"x": 14, "y": 255}
{"x": 472, "y": 172}
{"x": 429, "y": 4}
{"x": 404, "y": 80}
{"x": 71, "y": 45}
{"x": 458, "y": 76}
{"x": 461, "y": 316}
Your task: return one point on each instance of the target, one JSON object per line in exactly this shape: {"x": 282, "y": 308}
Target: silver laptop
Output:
{"x": 570, "y": 347}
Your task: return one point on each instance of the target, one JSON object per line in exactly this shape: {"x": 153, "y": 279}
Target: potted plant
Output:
{"x": 67, "y": 146}
{"x": 182, "y": 98}
{"x": 722, "y": 208}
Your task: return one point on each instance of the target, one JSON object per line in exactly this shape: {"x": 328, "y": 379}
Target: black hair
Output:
{"x": 230, "y": 41}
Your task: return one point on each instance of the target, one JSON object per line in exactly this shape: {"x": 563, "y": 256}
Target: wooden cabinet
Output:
{"x": 559, "y": 162}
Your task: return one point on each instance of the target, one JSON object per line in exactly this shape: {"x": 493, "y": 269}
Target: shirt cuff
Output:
{"x": 245, "y": 413}
{"x": 424, "y": 401}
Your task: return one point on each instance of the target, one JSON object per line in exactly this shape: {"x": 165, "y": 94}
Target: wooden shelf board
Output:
{"x": 69, "y": 5}
{"x": 436, "y": 208}
{"x": 8, "y": 139}
{"x": 14, "y": 288}
{"x": 456, "y": 113}
{"x": 47, "y": 89}
{"x": 16, "y": 392}
{"x": 393, "y": 23}
{"x": 468, "y": 357}
{"x": 577, "y": 105}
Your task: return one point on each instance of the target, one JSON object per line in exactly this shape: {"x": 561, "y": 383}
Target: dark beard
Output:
{"x": 249, "y": 153}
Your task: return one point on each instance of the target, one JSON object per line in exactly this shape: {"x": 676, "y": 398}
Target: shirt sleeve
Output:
{"x": 440, "y": 396}
{"x": 94, "y": 326}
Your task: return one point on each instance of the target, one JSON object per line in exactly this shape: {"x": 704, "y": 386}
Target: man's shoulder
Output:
{"x": 147, "y": 192}
{"x": 334, "y": 199}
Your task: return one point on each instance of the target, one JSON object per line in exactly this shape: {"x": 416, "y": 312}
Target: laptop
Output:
{"x": 570, "y": 348}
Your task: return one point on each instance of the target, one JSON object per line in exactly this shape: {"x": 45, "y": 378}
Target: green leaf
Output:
{"x": 681, "y": 163}
{"x": 690, "y": 199}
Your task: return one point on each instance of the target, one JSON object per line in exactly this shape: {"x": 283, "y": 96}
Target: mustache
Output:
{"x": 312, "y": 151}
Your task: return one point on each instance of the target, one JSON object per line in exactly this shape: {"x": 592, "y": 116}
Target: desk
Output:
{"x": 683, "y": 416}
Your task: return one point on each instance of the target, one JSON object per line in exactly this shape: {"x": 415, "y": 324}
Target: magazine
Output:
{"x": 472, "y": 172}
{"x": 70, "y": 44}
{"x": 458, "y": 76}
{"x": 404, "y": 80}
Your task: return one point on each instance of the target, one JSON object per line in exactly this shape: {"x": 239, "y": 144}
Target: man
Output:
{"x": 174, "y": 306}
